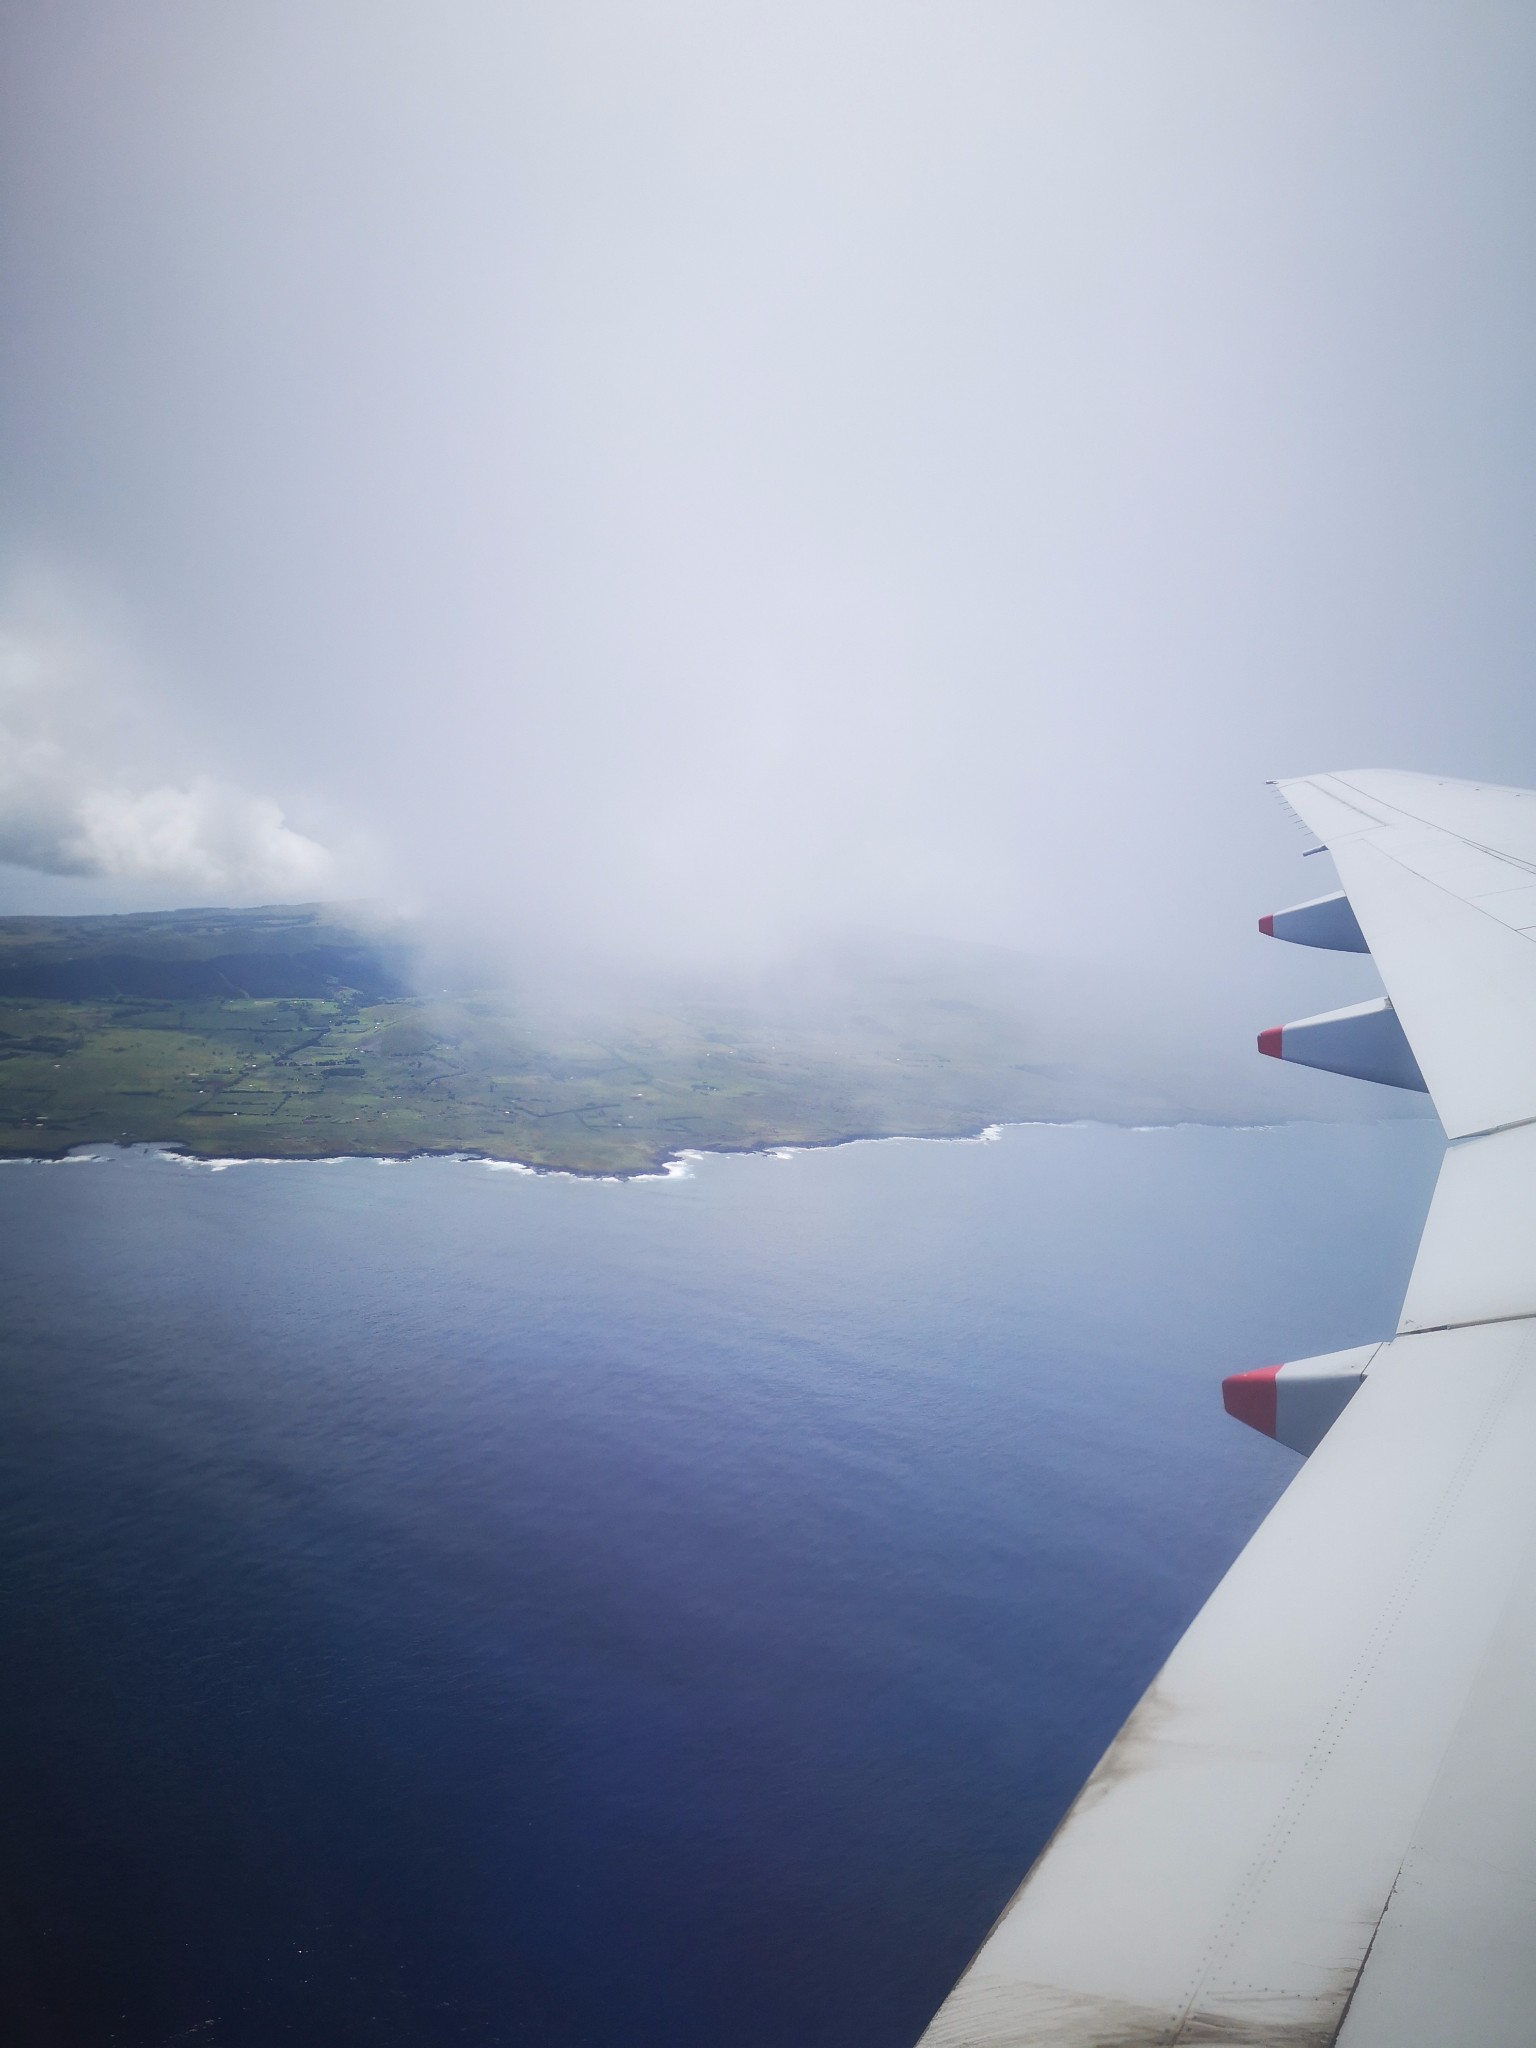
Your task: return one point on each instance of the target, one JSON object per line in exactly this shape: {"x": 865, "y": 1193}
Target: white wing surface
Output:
{"x": 1319, "y": 1824}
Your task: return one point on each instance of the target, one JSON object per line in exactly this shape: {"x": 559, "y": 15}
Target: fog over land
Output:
{"x": 670, "y": 483}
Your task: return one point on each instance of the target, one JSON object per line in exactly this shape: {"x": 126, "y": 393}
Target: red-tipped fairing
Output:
{"x": 1365, "y": 1041}
{"x": 1250, "y": 1397}
{"x": 1297, "y": 1403}
{"x": 1327, "y": 921}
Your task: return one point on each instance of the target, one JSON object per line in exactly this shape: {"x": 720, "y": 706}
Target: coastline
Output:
{"x": 673, "y": 1166}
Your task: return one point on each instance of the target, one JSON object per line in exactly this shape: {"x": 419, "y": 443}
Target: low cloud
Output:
{"x": 207, "y": 836}
{"x": 81, "y": 790}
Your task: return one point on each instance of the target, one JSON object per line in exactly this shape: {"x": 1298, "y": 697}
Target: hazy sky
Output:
{"x": 676, "y": 473}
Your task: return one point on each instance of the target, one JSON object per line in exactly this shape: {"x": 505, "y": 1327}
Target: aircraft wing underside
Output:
{"x": 1319, "y": 1824}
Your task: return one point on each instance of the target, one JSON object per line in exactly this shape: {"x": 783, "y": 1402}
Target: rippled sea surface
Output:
{"x": 446, "y": 1606}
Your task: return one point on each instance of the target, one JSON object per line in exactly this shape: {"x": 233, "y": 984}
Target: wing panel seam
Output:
{"x": 1428, "y": 824}
{"x": 1470, "y": 1323}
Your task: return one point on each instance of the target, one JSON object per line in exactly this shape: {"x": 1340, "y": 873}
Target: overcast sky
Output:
{"x": 672, "y": 474}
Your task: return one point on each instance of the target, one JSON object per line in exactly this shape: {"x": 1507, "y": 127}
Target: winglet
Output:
{"x": 1267, "y": 926}
{"x": 1269, "y": 1042}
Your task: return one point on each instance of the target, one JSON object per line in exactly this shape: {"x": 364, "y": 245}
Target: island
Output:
{"x": 312, "y": 1031}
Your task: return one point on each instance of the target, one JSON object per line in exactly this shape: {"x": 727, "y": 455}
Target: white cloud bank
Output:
{"x": 207, "y": 836}
{"x": 82, "y": 793}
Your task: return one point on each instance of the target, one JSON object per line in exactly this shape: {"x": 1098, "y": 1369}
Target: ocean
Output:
{"x": 443, "y": 1605}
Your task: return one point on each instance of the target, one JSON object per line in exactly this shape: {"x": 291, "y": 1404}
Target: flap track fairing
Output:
{"x": 1297, "y": 1404}
{"x": 1365, "y": 1041}
{"x": 1326, "y": 921}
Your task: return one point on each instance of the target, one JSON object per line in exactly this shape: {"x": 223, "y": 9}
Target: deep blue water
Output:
{"x": 442, "y": 1606}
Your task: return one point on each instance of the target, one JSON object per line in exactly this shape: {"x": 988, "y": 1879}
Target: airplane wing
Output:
{"x": 1319, "y": 1824}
